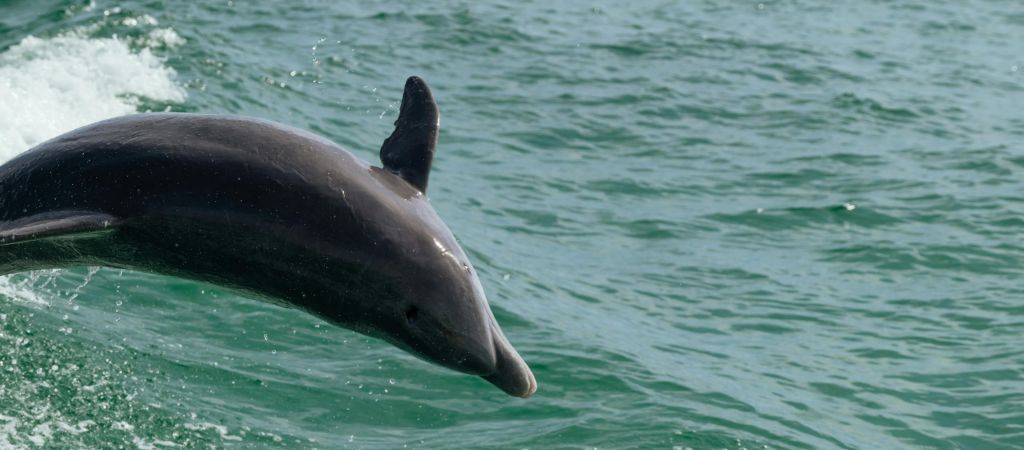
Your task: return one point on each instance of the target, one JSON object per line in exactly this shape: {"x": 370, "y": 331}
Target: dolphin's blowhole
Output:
{"x": 412, "y": 314}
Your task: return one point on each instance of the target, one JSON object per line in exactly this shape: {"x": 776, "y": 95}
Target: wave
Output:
{"x": 49, "y": 86}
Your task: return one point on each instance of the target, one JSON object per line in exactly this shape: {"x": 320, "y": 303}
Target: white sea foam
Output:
{"x": 220, "y": 429}
{"x": 8, "y": 429}
{"x": 163, "y": 37}
{"x": 22, "y": 292}
{"x": 53, "y": 85}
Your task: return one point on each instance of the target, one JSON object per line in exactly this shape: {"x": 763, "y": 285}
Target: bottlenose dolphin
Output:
{"x": 270, "y": 210}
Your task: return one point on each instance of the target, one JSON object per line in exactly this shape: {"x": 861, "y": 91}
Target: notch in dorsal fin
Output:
{"x": 409, "y": 150}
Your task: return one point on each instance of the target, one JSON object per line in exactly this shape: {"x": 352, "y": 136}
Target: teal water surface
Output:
{"x": 706, "y": 225}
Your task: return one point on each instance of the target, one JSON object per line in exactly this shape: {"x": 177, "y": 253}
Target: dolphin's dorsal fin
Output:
{"x": 409, "y": 150}
{"x": 57, "y": 225}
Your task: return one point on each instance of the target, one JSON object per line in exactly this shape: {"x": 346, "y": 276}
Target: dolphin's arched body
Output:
{"x": 267, "y": 209}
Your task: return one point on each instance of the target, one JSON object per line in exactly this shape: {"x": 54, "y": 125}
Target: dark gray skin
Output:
{"x": 270, "y": 210}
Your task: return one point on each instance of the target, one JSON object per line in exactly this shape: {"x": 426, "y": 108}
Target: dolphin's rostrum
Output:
{"x": 267, "y": 209}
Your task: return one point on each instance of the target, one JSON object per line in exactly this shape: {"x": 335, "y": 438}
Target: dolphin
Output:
{"x": 269, "y": 210}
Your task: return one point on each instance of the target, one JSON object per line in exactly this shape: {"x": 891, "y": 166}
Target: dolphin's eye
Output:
{"x": 411, "y": 314}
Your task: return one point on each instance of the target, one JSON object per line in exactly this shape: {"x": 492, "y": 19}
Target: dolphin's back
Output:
{"x": 144, "y": 163}
{"x": 155, "y": 192}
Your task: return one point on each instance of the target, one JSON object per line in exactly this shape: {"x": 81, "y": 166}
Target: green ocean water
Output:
{"x": 742, "y": 225}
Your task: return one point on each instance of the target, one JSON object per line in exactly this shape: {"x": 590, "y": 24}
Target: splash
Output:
{"x": 54, "y": 85}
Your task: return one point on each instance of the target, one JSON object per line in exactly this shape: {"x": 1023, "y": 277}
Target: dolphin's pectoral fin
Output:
{"x": 58, "y": 225}
{"x": 409, "y": 150}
